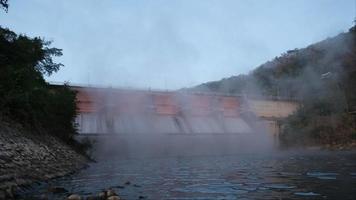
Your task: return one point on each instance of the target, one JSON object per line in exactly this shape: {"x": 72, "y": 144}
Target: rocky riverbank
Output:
{"x": 26, "y": 157}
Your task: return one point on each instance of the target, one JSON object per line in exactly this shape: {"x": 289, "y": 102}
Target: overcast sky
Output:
{"x": 172, "y": 44}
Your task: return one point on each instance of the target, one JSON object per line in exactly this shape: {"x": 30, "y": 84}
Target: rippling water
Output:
{"x": 278, "y": 175}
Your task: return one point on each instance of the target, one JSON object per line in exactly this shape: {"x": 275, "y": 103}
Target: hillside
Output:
{"x": 285, "y": 74}
{"x": 322, "y": 76}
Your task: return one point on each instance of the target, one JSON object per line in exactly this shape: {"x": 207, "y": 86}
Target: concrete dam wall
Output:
{"x": 159, "y": 123}
{"x": 272, "y": 109}
{"x": 116, "y": 111}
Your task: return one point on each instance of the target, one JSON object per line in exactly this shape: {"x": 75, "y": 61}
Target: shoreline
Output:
{"x": 323, "y": 147}
{"x": 26, "y": 158}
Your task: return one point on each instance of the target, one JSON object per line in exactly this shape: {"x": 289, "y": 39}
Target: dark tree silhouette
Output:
{"x": 4, "y": 4}
{"x": 25, "y": 95}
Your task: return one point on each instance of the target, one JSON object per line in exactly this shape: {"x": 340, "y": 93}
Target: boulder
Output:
{"x": 74, "y": 197}
{"x": 57, "y": 190}
{"x": 114, "y": 198}
{"x": 102, "y": 195}
{"x": 110, "y": 192}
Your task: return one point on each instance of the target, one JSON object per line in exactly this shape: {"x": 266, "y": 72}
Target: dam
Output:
{"x": 127, "y": 111}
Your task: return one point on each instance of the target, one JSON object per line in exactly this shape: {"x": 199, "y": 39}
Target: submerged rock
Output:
{"x": 56, "y": 190}
{"x": 306, "y": 194}
{"x": 74, "y": 197}
{"x": 114, "y": 198}
{"x": 43, "y": 197}
{"x": 93, "y": 198}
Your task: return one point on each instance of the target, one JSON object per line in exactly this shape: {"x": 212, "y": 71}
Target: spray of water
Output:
{"x": 134, "y": 123}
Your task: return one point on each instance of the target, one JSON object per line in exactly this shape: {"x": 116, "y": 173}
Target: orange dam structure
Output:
{"x": 122, "y": 111}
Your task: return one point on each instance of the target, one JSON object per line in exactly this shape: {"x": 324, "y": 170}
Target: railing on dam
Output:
{"x": 182, "y": 91}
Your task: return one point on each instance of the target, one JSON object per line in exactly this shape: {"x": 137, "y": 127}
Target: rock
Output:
{"x": 110, "y": 192}
{"x": 74, "y": 197}
{"x": 2, "y": 194}
{"x": 93, "y": 198}
{"x": 57, "y": 190}
{"x": 43, "y": 197}
{"x": 9, "y": 192}
{"x": 113, "y": 198}
{"x": 102, "y": 195}
{"x": 25, "y": 158}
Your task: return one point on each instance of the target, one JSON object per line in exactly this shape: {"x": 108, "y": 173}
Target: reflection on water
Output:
{"x": 281, "y": 175}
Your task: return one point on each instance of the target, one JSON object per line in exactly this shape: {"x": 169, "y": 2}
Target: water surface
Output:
{"x": 277, "y": 175}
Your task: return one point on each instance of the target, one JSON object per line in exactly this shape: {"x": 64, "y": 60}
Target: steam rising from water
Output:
{"x": 143, "y": 123}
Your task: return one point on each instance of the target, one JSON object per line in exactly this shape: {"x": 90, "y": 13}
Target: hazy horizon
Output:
{"x": 173, "y": 44}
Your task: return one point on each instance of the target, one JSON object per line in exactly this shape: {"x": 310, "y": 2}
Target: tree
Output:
{"x": 25, "y": 95}
{"x": 4, "y": 4}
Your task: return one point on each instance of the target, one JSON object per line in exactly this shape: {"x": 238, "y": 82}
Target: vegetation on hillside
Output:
{"x": 322, "y": 77}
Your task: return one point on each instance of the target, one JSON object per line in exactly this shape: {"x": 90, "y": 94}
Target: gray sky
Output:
{"x": 171, "y": 44}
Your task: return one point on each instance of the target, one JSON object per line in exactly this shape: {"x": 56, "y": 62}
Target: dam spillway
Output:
{"x": 120, "y": 111}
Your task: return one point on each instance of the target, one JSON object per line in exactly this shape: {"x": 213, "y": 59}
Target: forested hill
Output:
{"x": 300, "y": 73}
{"x": 321, "y": 76}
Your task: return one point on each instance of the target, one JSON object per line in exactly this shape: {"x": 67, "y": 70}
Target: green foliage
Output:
{"x": 25, "y": 95}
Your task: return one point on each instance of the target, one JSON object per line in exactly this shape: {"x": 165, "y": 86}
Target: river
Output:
{"x": 297, "y": 174}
